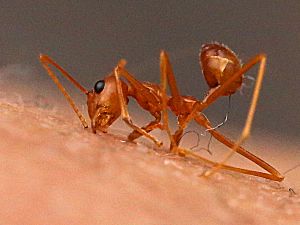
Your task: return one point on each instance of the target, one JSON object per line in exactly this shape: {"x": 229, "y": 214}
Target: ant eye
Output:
{"x": 99, "y": 86}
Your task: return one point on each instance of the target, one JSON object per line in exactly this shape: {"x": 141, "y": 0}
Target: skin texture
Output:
{"x": 55, "y": 172}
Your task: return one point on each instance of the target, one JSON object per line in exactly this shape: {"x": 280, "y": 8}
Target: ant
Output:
{"x": 223, "y": 73}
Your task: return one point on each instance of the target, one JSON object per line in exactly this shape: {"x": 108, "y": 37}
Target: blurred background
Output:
{"x": 88, "y": 39}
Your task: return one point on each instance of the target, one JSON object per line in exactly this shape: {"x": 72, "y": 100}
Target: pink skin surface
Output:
{"x": 55, "y": 172}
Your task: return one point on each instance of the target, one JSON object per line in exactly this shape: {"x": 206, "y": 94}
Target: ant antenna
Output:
{"x": 225, "y": 118}
{"x": 289, "y": 170}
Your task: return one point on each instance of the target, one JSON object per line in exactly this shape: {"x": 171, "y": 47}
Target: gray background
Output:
{"x": 89, "y": 38}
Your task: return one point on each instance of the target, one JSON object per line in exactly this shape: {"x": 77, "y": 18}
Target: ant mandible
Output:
{"x": 224, "y": 75}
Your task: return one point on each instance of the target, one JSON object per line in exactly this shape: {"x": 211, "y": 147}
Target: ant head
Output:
{"x": 219, "y": 63}
{"x": 103, "y": 103}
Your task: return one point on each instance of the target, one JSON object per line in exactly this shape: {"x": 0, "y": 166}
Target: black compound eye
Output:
{"x": 99, "y": 86}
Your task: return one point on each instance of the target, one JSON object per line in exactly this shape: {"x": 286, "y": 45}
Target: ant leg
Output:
{"x": 167, "y": 75}
{"x": 247, "y": 128}
{"x": 274, "y": 174}
{"x": 221, "y": 90}
{"x": 199, "y": 106}
{"x": 177, "y": 136}
{"x": 124, "y": 110}
{"x": 46, "y": 61}
{"x": 275, "y": 177}
{"x": 148, "y": 128}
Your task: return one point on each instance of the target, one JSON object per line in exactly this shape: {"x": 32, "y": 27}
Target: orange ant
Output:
{"x": 224, "y": 75}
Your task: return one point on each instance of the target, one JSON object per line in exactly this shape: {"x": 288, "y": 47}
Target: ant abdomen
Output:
{"x": 218, "y": 64}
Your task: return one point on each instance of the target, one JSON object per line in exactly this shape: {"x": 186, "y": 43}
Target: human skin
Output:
{"x": 55, "y": 172}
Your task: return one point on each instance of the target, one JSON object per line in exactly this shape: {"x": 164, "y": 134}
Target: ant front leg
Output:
{"x": 119, "y": 70}
{"x": 148, "y": 128}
